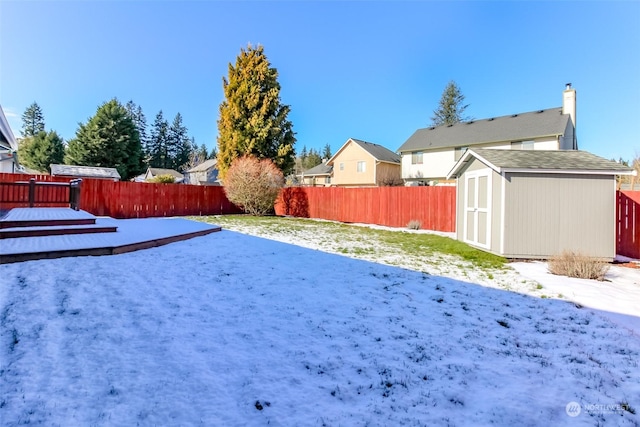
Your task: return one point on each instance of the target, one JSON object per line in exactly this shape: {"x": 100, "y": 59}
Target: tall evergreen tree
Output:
{"x": 32, "y": 121}
{"x": 41, "y": 150}
{"x": 252, "y": 118}
{"x": 158, "y": 143}
{"x": 326, "y": 152}
{"x": 178, "y": 144}
{"x": 312, "y": 159}
{"x": 140, "y": 120}
{"x": 213, "y": 153}
{"x": 108, "y": 139}
{"x": 451, "y": 107}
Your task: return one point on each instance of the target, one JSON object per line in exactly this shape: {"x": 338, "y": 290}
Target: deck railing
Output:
{"x": 35, "y": 193}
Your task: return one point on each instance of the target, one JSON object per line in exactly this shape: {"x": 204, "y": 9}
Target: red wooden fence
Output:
{"x": 434, "y": 207}
{"x": 628, "y": 223}
{"x": 134, "y": 199}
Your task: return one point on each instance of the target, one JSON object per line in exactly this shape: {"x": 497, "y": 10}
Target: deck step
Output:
{"x": 56, "y": 230}
{"x": 45, "y": 222}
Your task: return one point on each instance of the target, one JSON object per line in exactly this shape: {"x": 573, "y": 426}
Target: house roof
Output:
{"x": 84, "y": 171}
{"x": 204, "y": 166}
{"x": 378, "y": 152}
{"x": 160, "y": 171}
{"x": 515, "y": 127}
{"x": 552, "y": 161}
{"x": 319, "y": 170}
{"x": 7, "y": 139}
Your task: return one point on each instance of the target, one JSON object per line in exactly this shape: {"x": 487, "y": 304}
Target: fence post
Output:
{"x": 74, "y": 194}
{"x": 32, "y": 192}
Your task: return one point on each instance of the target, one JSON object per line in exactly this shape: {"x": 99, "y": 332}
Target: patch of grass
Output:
{"x": 415, "y": 245}
{"x": 539, "y": 286}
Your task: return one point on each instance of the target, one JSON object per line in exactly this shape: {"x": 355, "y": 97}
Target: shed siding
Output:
{"x": 496, "y": 198}
{"x": 547, "y": 213}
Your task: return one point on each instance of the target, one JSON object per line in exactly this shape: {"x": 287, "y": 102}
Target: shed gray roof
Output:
{"x": 515, "y": 127}
{"x": 321, "y": 169}
{"x": 559, "y": 161}
{"x": 204, "y": 166}
{"x": 85, "y": 171}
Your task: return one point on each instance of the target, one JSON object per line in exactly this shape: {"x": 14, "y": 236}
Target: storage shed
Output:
{"x": 536, "y": 204}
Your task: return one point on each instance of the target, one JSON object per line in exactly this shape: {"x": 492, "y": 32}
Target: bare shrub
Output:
{"x": 163, "y": 179}
{"x": 414, "y": 224}
{"x": 253, "y": 184}
{"x": 575, "y": 264}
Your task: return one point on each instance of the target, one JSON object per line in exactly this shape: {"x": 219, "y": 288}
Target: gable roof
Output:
{"x": 85, "y": 171}
{"x": 515, "y": 127}
{"x": 319, "y": 170}
{"x": 378, "y": 152}
{"x": 542, "y": 161}
{"x": 204, "y": 166}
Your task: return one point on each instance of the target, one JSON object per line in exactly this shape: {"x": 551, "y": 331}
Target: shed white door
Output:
{"x": 477, "y": 208}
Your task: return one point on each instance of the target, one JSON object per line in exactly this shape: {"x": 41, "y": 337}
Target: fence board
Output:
{"x": 628, "y": 223}
{"x": 129, "y": 199}
{"x": 434, "y": 207}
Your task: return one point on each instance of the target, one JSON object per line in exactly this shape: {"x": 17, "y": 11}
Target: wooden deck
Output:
{"x": 47, "y": 233}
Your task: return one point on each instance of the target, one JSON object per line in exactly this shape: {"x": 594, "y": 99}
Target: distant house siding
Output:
{"x": 388, "y": 173}
{"x": 548, "y": 213}
{"x": 349, "y": 175}
{"x": 436, "y": 164}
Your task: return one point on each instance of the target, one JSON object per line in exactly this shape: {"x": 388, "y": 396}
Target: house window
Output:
{"x": 416, "y": 158}
{"x": 459, "y": 152}
{"x": 327, "y": 180}
{"x": 341, "y": 166}
{"x": 362, "y": 166}
{"x": 522, "y": 145}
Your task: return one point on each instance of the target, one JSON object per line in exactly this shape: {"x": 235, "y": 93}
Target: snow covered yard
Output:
{"x": 231, "y": 329}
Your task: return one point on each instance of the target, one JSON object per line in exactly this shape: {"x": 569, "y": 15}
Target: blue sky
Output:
{"x": 368, "y": 70}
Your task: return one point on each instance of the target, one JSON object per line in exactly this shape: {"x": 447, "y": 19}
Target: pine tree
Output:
{"x": 140, "y": 121}
{"x": 108, "y": 139}
{"x": 213, "y": 153}
{"x": 41, "y": 150}
{"x": 252, "y": 120}
{"x": 326, "y": 152}
{"x": 312, "y": 159}
{"x": 32, "y": 121}
{"x": 450, "y": 107}
{"x": 178, "y": 144}
{"x": 158, "y": 149}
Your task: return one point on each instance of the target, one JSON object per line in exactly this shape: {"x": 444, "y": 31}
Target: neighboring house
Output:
{"x": 536, "y": 204}
{"x": 206, "y": 173}
{"x": 154, "y": 172}
{"x": 73, "y": 171}
{"x": 8, "y": 147}
{"x": 429, "y": 154}
{"x": 363, "y": 164}
{"x": 319, "y": 175}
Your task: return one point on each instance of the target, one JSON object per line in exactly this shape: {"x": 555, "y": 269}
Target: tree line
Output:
{"x": 252, "y": 121}
{"x": 116, "y": 136}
